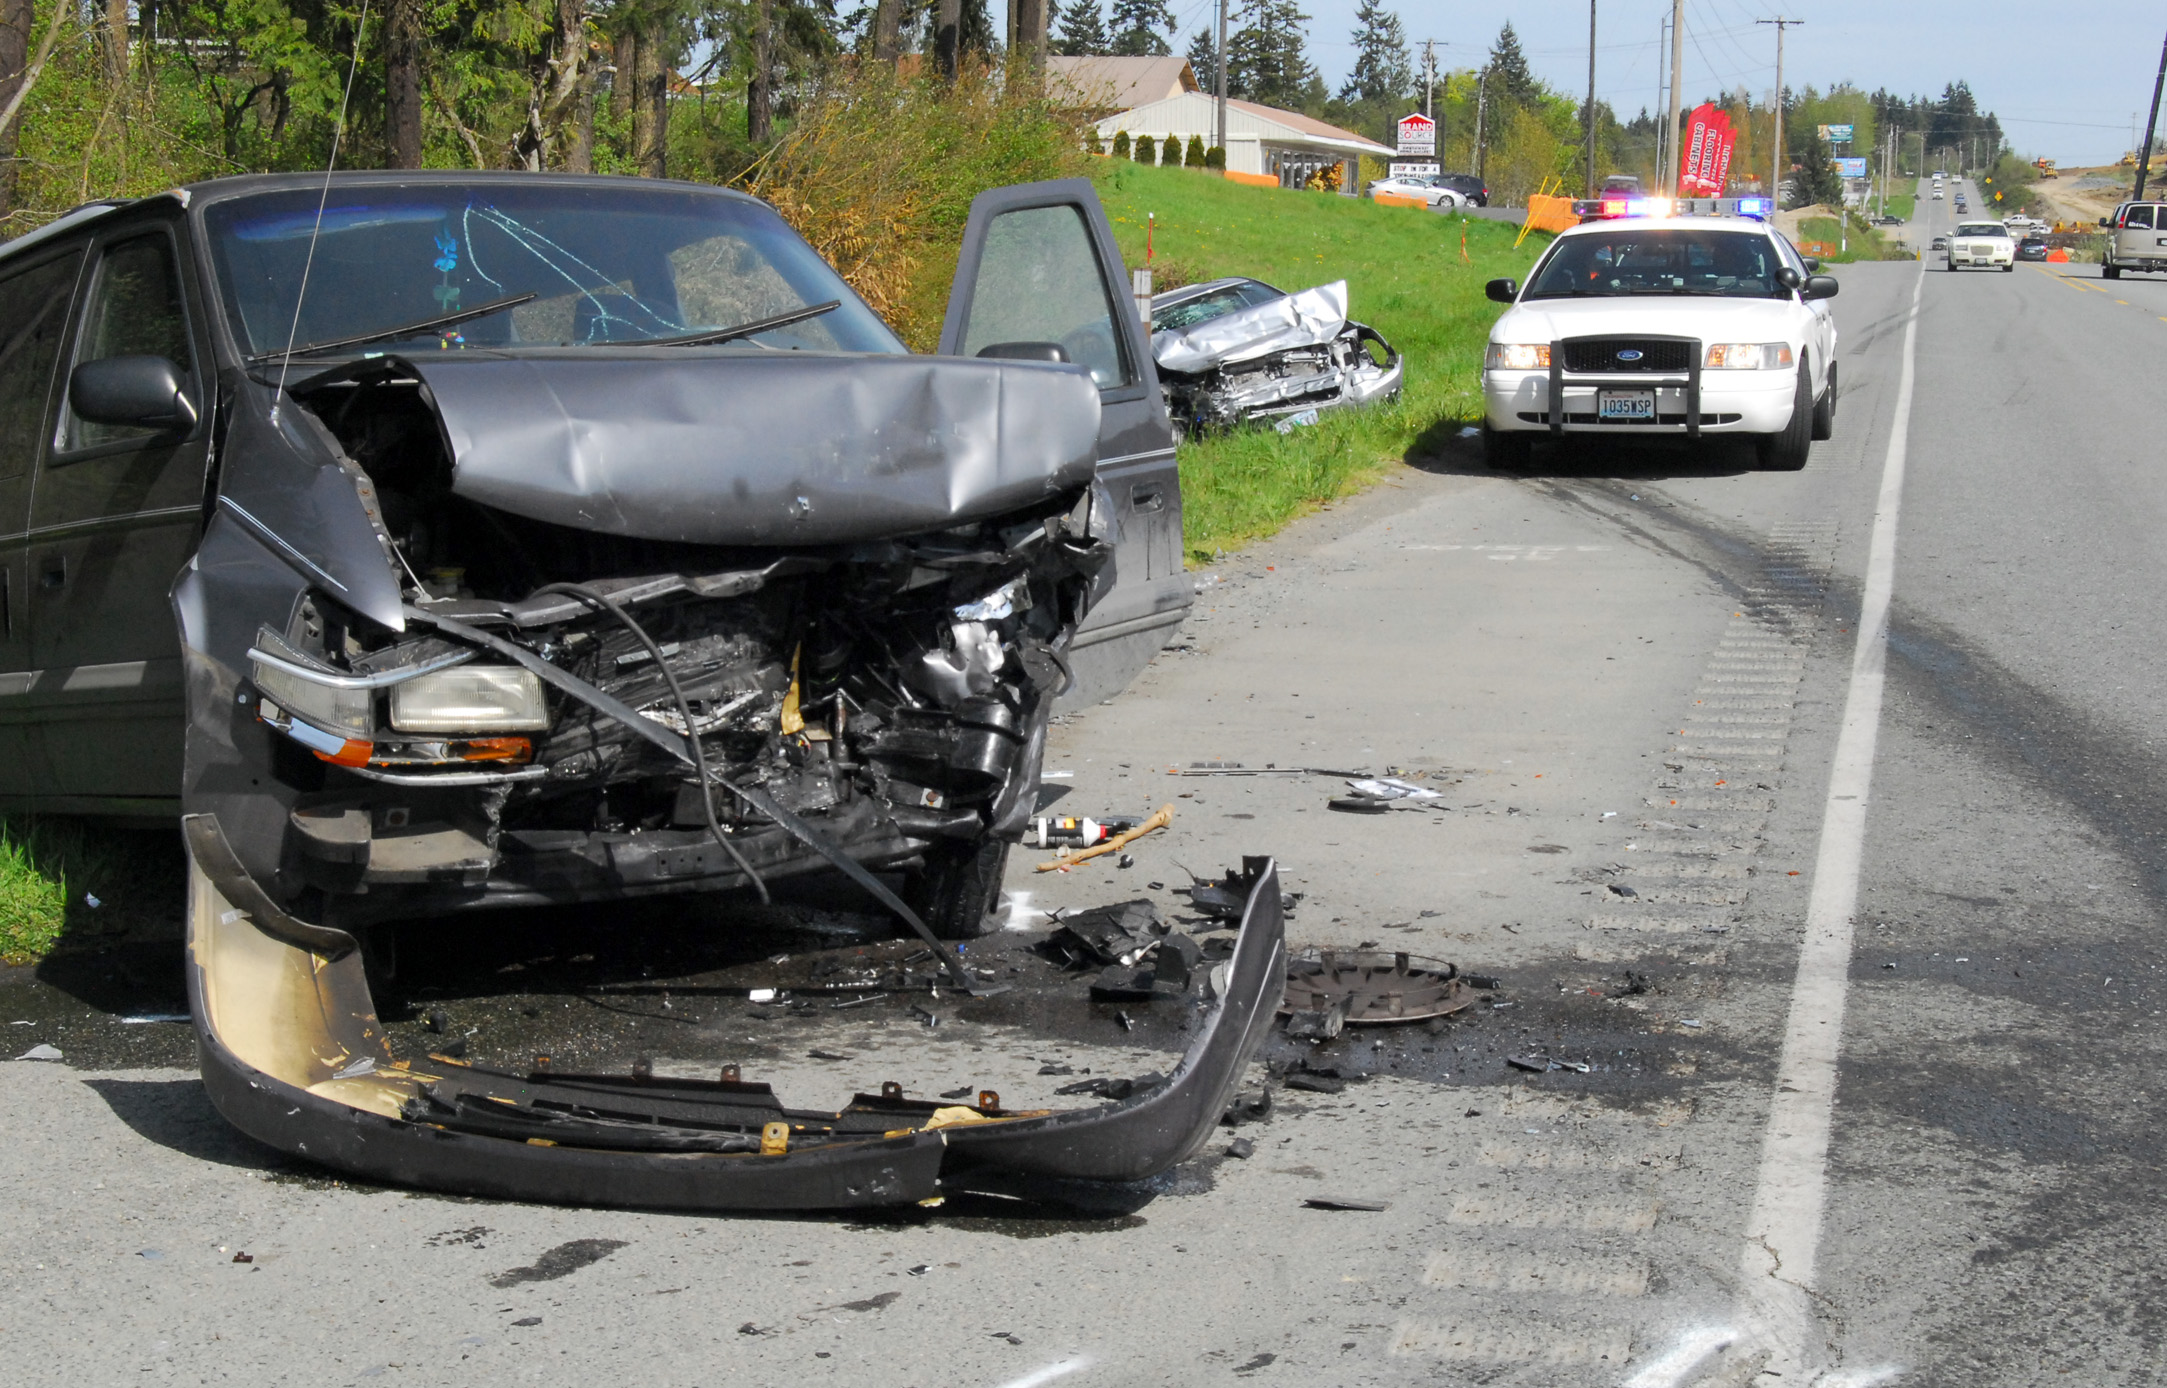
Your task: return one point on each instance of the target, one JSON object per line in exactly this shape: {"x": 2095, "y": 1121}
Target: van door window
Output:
{"x": 33, "y": 314}
{"x": 2138, "y": 218}
{"x": 135, "y": 310}
{"x": 1039, "y": 281}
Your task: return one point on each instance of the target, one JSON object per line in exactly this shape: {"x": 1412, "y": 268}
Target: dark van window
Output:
{"x": 33, "y": 314}
{"x": 2140, "y": 217}
{"x": 134, "y": 311}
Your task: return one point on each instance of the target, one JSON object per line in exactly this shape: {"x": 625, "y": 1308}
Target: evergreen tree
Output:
{"x": 1195, "y": 156}
{"x": 1382, "y": 71}
{"x": 1204, "y": 59}
{"x": 1512, "y": 83}
{"x": 1265, "y": 59}
{"x": 1136, "y": 26}
{"x": 1815, "y": 179}
{"x": 1083, "y": 30}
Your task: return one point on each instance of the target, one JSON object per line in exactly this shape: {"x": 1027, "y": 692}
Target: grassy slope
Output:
{"x": 1903, "y": 205}
{"x": 1405, "y": 278}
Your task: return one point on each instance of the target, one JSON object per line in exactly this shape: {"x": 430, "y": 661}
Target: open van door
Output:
{"x": 1040, "y": 278}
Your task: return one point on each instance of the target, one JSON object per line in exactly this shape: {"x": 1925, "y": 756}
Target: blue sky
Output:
{"x": 2065, "y": 88}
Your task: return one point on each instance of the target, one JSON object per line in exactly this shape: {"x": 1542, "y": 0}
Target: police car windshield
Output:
{"x": 1629, "y": 258}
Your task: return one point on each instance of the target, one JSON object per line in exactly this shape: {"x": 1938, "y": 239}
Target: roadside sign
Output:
{"x": 1851, "y": 168}
{"x": 1417, "y": 134}
{"x": 1836, "y": 134}
{"x": 1414, "y": 168}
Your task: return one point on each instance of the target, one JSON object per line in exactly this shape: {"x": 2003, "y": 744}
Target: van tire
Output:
{"x": 955, "y": 893}
{"x": 1786, "y": 449}
{"x": 1824, "y": 409}
{"x": 2110, "y": 272}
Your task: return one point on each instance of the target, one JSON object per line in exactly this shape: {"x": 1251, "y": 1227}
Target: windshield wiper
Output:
{"x": 757, "y": 325}
{"x": 442, "y": 320}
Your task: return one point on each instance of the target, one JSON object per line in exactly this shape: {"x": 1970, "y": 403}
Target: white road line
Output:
{"x": 1783, "y": 1233}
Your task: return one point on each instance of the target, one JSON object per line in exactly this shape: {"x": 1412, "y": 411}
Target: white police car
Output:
{"x": 1640, "y": 323}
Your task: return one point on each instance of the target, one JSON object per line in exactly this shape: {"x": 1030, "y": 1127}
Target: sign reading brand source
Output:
{"x": 1418, "y": 134}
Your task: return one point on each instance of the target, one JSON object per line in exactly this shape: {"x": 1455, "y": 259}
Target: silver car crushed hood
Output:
{"x": 1306, "y": 319}
{"x": 748, "y": 447}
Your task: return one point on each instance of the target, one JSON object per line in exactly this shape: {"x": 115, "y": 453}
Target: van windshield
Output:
{"x": 1637, "y": 258}
{"x": 592, "y": 264}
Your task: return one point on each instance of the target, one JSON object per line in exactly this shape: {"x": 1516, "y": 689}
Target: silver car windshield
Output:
{"x": 588, "y": 263}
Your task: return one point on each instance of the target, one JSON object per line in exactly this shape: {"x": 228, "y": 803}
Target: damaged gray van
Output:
{"x": 437, "y": 542}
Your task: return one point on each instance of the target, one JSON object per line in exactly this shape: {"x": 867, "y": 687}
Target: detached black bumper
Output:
{"x": 293, "y": 1055}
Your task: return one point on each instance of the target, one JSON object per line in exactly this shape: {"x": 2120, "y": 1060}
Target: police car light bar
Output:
{"x": 1596, "y": 209}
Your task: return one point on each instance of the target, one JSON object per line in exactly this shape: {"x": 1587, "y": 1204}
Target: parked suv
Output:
{"x": 2139, "y": 239}
{"x": 1469, "y": 187}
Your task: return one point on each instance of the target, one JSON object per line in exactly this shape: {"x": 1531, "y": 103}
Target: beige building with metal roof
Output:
{"x": 1259, "y": 139}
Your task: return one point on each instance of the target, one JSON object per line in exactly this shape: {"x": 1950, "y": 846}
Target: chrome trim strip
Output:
{"x": 448, "y": 778}
{"x": 380, "y": 680}
{"x": 1092, "y": 636}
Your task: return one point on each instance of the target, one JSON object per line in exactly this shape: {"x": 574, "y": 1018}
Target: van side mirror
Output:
{"x": 1502, "y": 291}
{"x": 1820, "y": 287}
{"x": 139, "y": 392}
{"x": 2106, "y": 221}
{"x": 1025, "y": 351}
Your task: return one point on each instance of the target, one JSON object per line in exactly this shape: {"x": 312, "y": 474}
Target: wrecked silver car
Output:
{"x": 439, "y": 542}
{"x": 1237, "y": 349}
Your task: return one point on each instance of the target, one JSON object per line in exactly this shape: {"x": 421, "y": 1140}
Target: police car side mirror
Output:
{"x": 1820, "y": 287}
{"x": 143, "y": 392}
{"x": 1502, "y": 291}
{"x": 1812, "y": 264}
{"x": 1788, "y": 277}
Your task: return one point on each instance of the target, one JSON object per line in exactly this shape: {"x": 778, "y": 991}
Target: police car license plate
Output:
{"x": 1625, "y": 404}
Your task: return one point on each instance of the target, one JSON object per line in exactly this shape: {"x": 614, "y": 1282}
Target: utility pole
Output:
{"x": 1429, "y": 78}
{"x": 1222, "y": 80}
{"x": 1775, "y": 183}
{"x": 1662, "y": 98}
{"x": 1670, "y": 124}
{"x": 1482, "y": 86}
{"x": 2151, "y": 123}
{"x": 1591, "y": 98}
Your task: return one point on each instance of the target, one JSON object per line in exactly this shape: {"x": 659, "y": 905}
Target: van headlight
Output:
{"x": 1519, "y": 356}
{"x": 470, "y": 699}
{"x": 348, "y": 712}
{"x": 1749, "y": 356}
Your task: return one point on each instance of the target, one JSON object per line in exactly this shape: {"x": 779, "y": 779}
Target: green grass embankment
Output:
{"x": 1405, "y": 277}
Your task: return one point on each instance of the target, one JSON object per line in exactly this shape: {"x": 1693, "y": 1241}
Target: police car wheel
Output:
{"x": 1506, "y": 451}
{"x": 1824, "y": 409}
{"x": 1786, "y": 449}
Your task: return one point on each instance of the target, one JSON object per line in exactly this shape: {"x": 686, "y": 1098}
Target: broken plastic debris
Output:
{"x": 244, "y": 1257}
{"x": 365, "y": 1065}
{"x": 1342, "y": 1202}
{"x": 41, "y": 1051}
{"x": 1470, "y": 431}
{"x": 92, "y": 902}
{"x": 760, "y": 995}
{"x": 1299, "y": 420}
{"x": 148, "y": 1017}
{"x": 1390, "y": 788}
{"x": 1241, "y": 1149}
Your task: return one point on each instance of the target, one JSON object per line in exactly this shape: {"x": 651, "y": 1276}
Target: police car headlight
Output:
{"x": 1519, "y": 356}
{"x": 1749, "y": 356}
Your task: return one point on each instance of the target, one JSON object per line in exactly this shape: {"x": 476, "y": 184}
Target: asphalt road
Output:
{"x": 1628, "y": 672}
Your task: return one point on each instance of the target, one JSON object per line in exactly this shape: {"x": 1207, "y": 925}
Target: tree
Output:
{"x": 1083, "y": 30}
{"x": 1265, "y": 59}
{"x": 1512, "y": 83}
{"x": 1136, "y": 25}
{"x": 1204, "y": 59}
{"x": 1814, "y": 179}
{"x": 1382, "y": 71}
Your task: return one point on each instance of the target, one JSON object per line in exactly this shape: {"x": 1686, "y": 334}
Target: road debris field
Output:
{"x": 1634, "y": 1019}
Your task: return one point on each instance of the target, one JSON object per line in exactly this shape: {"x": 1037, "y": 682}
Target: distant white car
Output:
{"x": 1434, "y": 193}
{"x": 1987, "y": 244}
{"x": 1937, "y": 194}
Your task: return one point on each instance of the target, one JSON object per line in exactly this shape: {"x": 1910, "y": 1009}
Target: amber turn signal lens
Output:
{"x": 353, "y": 753}
{"x": 511, "y": 749}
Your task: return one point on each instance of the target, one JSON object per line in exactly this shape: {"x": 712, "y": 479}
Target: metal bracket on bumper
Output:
{"x": 292, "y": 1054}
